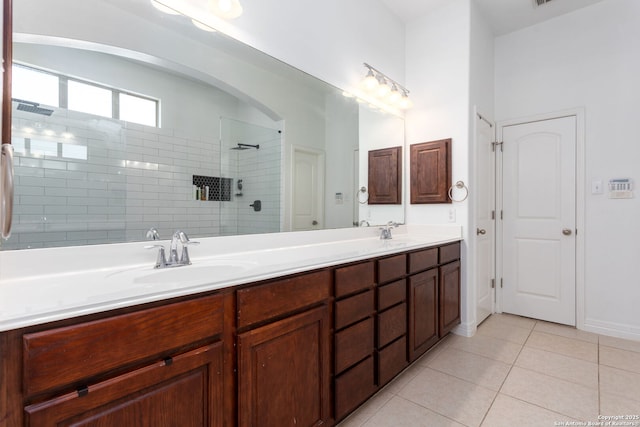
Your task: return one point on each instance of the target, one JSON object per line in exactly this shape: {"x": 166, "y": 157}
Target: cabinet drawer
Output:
{"x": 354, "y": 278}
{"x": 354, "y": 387}
{"x": 353, "y": 344}
{"x": 391, "y": 360}
{"x": 70, "y": 354}
{"x": 392, "y": 324}
{"x": 261, "y": 303}
{"x": 122, "y": 400}
{"x": 392, "y": 294}
{"x": 354, "y": 308}
{"x": 392, "y": 268}
{"x": 449, "y": 253}
{"x": 423, "y": 260}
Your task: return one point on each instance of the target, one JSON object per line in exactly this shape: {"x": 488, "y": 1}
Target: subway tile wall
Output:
{"x": 82, "y": 180}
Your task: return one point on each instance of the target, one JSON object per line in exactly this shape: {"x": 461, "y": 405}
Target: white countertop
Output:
{"x": 44, "y": 285}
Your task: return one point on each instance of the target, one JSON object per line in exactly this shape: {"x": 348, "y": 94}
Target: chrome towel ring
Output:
{"x": 460, "y": 185}
{"x": 361, "y": 191}
{"x": 6, "y": 190}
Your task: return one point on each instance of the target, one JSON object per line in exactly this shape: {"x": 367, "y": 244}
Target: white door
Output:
{"x": 539, "y": 220}
{"x": 485, "y": 223}
{"x": 308, "y": 189}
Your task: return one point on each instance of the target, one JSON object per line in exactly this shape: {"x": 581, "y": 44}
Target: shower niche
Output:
{"x": 251, "y": 159}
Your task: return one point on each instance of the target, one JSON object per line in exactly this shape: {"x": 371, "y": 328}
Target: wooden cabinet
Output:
{"x": 385, "y": 176}
{"x": 158, "y": 366}
{"x": 423, "y": 312}
{"x": 449, "y": 297}
{"x": 284, "y": 356}
{"x": 354, "y": 335}
{"x": 430, "y": 172}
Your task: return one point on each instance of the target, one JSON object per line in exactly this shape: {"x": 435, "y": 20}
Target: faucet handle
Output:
{"x": 152, "y": 234}
{"x": 161, "y": 260}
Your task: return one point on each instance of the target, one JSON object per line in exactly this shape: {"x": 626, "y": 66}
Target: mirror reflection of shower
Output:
{"x": 251, "y": 155}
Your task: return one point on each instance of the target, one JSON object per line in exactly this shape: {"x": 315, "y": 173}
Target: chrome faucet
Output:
{"x": 179, "y": 238}
{"x": 385, "y": 232}
{"x": 364, "y": 223}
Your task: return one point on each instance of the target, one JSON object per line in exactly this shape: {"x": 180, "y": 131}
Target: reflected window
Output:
{"x": 137, "y": 109}
{"x": 91, "y": 99}
{"x": 34, "y": 85}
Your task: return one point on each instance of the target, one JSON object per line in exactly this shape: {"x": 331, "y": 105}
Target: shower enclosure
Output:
{"x": 251, "y": 156}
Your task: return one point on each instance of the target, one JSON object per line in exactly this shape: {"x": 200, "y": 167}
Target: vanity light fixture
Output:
{"x": 227, "y": 9}
{"x": 385, "y": 89}
{"x": 165, "y": 9}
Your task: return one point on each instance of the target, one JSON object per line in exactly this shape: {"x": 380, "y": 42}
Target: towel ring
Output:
{"x": 461, "y": 186}
{"x": 363, "y": 190}
{"x": 6, "y": 192}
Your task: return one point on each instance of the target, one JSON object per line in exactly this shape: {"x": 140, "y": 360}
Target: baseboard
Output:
{"x": 466, "y": 329}
{"x": 618, "y": 330}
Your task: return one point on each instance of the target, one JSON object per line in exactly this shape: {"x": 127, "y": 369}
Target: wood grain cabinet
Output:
{"x": 160, "y": 366}
{"x": 430, "y": 177}
{"x": 284, "y": 352}
{"x": 385, "y": 176}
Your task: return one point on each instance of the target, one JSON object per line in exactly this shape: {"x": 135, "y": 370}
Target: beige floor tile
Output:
{"x": 367, "y": 410}
{"x": 399, "y": 382}
{"x": 504, "y": 331}
{"x": 572, "y": 400}
{"x": 565, "y": 331}
{"x": 454, "y": 398}
{"x": 510, "y": 319}
{"x": 487, "y": 346}
{"x": 616, "y": 405}
{"x": 618, "y": 382}
{"x": 560, "y": 366}
{"x": 401, "y": 412}
{"x": 567, "y": 346}
{"x": 620, "y": 343}
{"x": 622, "y": 359}
{"x": 471, "y": 367}
{"x": 434, "y": 352}
{"x": 509, "y": 412}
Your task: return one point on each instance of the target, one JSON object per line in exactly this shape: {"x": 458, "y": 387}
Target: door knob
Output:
{"x": 566, "y": 232}
{"x": 314, "y": 222}
{"x": 480, "y": 231}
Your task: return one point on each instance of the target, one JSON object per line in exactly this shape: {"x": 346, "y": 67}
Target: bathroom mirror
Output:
{"x": 151, "y": 122}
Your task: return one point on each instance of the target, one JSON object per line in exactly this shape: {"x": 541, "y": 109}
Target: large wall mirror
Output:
{"x": 125, "y": 118}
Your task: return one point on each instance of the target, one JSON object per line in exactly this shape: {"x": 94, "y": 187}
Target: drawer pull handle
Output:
{"x": 83, "y": 391}
{"x": 168, "y": 361}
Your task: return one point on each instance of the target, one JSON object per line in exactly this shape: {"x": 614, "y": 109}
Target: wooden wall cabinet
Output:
{"x": 385, "y": 176}
{"x": 430, "y": 179}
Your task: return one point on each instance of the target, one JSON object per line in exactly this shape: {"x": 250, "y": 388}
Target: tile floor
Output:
{"x": 514, "y": 372}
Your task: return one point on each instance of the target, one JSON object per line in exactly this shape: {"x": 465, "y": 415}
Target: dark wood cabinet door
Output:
{"x": 284, "y": 372}
{"x": 430, "y": 172}
{"x": 423, "y": 312}
{"x": 185, "y": 391}
{"x": 449, "y": 296}
{"x": 385, "y": 176}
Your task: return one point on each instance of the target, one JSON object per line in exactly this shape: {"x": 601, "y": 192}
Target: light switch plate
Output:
{"x": 596, "y": 187}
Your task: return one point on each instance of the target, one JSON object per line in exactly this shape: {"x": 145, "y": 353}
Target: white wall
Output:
{"x": 589, "y": 59}
{"x": 438, "y": 74}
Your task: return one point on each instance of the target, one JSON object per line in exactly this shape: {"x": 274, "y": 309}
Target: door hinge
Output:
{"x": 493, "y": 214}
{"x": 493, "y": 283}
{"x": 501, "y": 215}
{"x": 501, "y": 284}
{"x": 496, "y": 144}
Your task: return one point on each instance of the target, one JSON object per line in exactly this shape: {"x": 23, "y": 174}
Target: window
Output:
{"x": 57, "y": 90}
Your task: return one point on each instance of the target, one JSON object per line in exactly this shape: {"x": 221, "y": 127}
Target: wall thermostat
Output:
{"x": 621, "y": 188}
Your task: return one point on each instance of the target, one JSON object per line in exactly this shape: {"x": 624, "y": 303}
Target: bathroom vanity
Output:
{"x": 299, "y": 348}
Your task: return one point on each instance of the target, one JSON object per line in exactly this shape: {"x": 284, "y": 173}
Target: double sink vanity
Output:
{"x": 299, "y": 330}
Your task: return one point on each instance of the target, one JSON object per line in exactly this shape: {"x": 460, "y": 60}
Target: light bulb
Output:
{"x": 370, "y": 82}
{"x": 227, "y": 9}
{"x": 383, "y": 88}
{"x": 394, "y": 95}
{"x": 405, "y": 103}
{"x": 162, "y": 8}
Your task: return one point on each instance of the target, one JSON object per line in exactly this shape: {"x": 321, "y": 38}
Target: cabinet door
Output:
{"x": 423, "y": 312}
{"x": 284, "y": 372}
{"x": 385, "y": 176}
{"x": 449, "y": 296}
{"x": 185, "y": 391}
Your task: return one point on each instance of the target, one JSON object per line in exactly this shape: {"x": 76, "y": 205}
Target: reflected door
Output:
{"x": 539, "y": 216}
{"x": 308, "y": 189}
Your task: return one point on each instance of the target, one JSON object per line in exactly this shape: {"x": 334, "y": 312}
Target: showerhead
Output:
{"x": 245, "y": 147}
{"x": 32, "y": 107}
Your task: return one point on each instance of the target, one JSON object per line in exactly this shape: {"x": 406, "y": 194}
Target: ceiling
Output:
{"x": 504, "y": 16}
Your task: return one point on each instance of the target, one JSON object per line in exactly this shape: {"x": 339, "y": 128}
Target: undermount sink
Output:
{"x": 211, "y": 270}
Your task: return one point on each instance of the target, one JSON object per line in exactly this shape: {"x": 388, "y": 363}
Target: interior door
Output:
{"x": 485, "y": 222}
{"x": 539, "y": 219}
{"x": 308, "y": 189}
